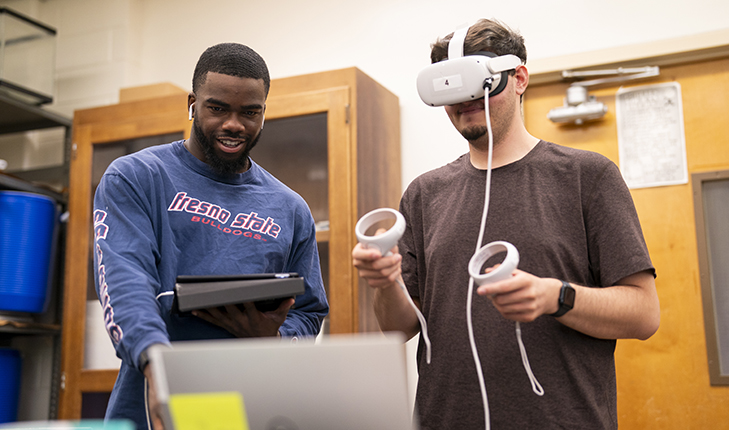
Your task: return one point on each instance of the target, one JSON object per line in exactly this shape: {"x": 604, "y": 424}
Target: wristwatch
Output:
{"x": 566, "y": 299}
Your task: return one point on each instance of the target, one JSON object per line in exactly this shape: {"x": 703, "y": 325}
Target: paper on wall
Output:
{"x": 651, "y": 139}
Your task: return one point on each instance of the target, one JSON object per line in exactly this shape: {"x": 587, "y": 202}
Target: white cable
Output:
{"x": 166, "y": 293}
{"x": 469, "y": 299}
{"x": 474, "y": 350}
{"x": 536, "y": 387}
{"x": 421, "y": 318}
{"x": 146, "y": 404}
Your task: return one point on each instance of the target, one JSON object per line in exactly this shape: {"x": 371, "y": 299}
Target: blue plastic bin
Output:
{"x": 9, "y": 384}
{"x": 27, "y": 228}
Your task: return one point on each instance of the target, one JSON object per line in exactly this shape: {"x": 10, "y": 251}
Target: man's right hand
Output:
{"x": 378, "y": 271}
{"x": 247, "y": 320}
{"x": 391, "y": 305}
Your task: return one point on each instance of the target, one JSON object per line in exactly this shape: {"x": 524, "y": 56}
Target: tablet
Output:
{"x": 266, "y": 290}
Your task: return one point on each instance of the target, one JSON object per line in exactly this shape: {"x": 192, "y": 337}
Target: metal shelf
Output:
{"x": 21, "y": 327}
{"x": 16, "y": 117}
{"x": 38, "y": 336}
{"x": 8, "y": 182}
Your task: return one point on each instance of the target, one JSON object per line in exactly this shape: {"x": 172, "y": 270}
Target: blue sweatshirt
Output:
{"x": 160, "y": 213}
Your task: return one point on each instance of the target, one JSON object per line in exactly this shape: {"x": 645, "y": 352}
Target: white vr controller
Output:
{"x": 504, "y": 271}
{"x": 386, "y": 241}
{"x": 382, "y": 242}
{"x": 460, "y": 79}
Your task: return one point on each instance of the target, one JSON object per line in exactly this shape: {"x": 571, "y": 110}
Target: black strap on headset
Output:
{"x": 503, "y": 78}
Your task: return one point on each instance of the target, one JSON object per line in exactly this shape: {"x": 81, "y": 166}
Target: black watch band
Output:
{"x": 566, "y": 299}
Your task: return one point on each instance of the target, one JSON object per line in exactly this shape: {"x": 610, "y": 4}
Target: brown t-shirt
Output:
{"x": 571, "y": 216}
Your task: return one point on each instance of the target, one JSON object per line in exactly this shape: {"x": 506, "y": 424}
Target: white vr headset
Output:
{"x": 460, "y": 79}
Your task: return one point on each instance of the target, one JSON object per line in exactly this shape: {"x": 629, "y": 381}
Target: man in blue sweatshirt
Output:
{"x": 200, "y": 206}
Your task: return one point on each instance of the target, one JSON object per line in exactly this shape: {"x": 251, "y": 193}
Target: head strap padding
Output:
{"x": 455, "y": 46}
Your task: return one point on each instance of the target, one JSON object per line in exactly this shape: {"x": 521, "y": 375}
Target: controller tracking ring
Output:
{"x": 502, "y": 272}
{"x": 383, "y": 242}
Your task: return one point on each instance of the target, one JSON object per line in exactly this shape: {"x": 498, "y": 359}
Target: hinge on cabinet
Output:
{"x": 63, "y": 380}
{"x": 346, "y": 114}
{"x": 74, "y": 149}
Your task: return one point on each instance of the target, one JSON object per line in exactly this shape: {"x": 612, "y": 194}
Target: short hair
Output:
{"x": 231, "y": 59}
{"x": 485, "y": 35}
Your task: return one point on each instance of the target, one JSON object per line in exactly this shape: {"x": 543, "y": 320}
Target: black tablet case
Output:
{"x": 267, "y": 290}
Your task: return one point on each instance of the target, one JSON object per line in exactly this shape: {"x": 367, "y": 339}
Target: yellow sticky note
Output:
{"x": 208, "y": 411}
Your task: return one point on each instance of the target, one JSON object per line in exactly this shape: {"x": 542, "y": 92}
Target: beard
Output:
{"x": 500, "y": 121}
{"x": 474, "y": 133}
{"x": 217, "y": 164}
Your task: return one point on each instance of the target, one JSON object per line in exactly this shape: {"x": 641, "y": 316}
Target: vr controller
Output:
{"x": 460, "y": 79}
{"x": 383, "y": 242}
{"x": 502, "y": 272}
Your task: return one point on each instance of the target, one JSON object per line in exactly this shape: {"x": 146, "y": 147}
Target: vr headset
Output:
{"x": 460, "y": 79}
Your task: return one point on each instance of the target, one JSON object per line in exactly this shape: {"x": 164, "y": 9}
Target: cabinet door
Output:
{"x": 307, "y": 144}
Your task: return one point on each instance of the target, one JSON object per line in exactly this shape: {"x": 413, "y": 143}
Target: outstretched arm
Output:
{"x": 627, "y": 310}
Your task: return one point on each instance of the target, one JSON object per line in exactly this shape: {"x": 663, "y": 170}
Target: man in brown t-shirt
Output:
{"x": 584, "y": 279}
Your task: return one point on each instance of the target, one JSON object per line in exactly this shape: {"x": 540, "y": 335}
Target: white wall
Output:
{"x": 389, "y": 40}
{"x": 95, "y": 56}
{"x": 105, "y": 45}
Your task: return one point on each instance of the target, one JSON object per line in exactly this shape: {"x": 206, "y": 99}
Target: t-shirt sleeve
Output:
{"x": 616, "y": 244}
{"x": 407, "y": 244}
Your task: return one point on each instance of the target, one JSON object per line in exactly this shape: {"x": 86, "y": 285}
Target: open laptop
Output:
{"x": 353, "y": 382}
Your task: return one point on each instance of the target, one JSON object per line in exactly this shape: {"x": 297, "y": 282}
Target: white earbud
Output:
{"x": 189, "y": 112}
{"x": 502, "y": 272}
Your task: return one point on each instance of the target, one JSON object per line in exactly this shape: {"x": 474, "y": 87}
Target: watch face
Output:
{"x": 569, "y": 296}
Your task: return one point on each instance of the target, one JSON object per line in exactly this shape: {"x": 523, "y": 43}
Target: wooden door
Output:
{"x": 663, "y": 382}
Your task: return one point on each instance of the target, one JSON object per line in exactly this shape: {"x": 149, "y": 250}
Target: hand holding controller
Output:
{"x": 384, "y": 243}
{"x": 502, "y": 272}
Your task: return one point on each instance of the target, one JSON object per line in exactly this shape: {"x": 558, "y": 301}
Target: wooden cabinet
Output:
{"x": 334, "y": 137}
{"x": 363, "y": 171}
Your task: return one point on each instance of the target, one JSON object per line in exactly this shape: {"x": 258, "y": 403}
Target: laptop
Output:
{"x": 353, "y": 382}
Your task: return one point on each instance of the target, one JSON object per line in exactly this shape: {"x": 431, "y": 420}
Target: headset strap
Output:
{"x": 455, "y": 46}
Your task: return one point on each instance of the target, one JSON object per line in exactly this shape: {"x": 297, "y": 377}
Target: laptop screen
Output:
{"x": 342, "y": 382}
